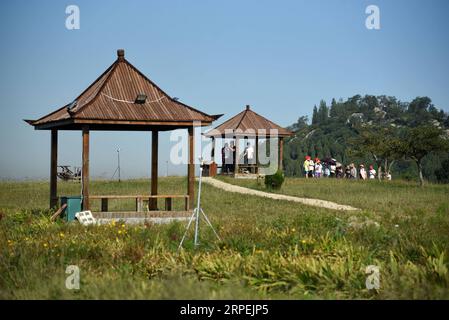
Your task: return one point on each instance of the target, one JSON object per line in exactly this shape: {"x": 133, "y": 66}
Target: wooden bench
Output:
{"x": 140, "y": 199}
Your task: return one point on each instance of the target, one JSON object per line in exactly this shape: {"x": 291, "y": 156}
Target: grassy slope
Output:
{"x": 270, "y": 249}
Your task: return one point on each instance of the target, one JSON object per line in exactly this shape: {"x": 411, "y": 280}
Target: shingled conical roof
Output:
{"x": 111, "y": 101}
{"x": 248, "y": 124}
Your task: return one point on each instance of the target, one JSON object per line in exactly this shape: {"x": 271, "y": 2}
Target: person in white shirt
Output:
{"x": 362, "y": 172}
{"x": 311, "y": 168}
{"x": 318, "y": 169}
{"x": 248, "y": 155}
{"x": 372, "y": 172}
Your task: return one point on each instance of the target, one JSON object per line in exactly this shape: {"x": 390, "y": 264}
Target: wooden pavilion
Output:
{"x": 249, "y": 125}
{"x": 123, "y": 99}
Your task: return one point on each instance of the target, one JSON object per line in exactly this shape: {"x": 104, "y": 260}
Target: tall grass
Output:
{"x": 269, "y": 249}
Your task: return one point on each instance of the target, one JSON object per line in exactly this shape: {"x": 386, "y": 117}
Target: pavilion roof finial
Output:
{"x": 248, "y": 107}
{"x": 121, "y": 54}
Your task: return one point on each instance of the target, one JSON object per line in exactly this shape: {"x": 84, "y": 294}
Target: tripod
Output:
{"x": 118, "y": 166}
{"x": 197, "y": 212}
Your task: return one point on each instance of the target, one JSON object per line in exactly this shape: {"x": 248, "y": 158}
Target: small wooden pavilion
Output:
{"x": 122, "y": 99}
{"x": 249, "y": 125}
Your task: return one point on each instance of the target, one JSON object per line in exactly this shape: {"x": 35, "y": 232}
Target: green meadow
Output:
{"x": 270, "y": 249}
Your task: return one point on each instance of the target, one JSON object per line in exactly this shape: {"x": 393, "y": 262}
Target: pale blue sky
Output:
{"x": 281, "y": 57}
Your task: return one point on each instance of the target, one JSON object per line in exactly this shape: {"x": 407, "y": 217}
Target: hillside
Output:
{"x": 334, "y": 127}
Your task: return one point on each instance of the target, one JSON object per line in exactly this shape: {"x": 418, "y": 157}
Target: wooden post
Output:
{"x": 104, "y": 204}
{"x": 257, "y": 153}
{"x": 191, "y": 168}
{"x": 154, "y": 168}
{"x": 168, "y": 204}
{"x": 54, "y": 169}
{"x": 212, "y": 151}
{"x": 85, "y": 169}
{"x": 237, "y": 155}
{"x": 281, "y": 153}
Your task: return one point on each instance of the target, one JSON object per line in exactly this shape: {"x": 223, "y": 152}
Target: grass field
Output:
{"x": 270, "y": 249}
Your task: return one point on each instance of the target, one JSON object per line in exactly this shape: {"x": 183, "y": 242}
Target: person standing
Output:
{"x": 228, "y": 158}
{"x": 362, "y": 172}
{"x": 327, "y": 171}
{"x": 318, "y": 169}
{"x": 311, "y": 168}
{"x": 372, "y": 172}
{"x": 306, "y": 166}
{"x": 248, "y": 155}
{"x": 223, "y": 158}
{"x": 233, "y": 156}
{"x": 353, "y": 171}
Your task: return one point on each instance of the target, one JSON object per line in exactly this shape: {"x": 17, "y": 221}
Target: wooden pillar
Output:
{"x": 85, "y": 169}
{"x": 104, "y": 204}
{"x": 281, "y": 153}
{"x": 212, "y": 151}
{"x": 191, "y": 169}
{"x": 237, "y": 155}
{"x": 154, "y": 168}
{"x": 54, "y": 169}
{"x": 257, "y": 154}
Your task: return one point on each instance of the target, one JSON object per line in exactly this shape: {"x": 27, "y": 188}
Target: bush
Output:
{"x": 275, "y": 181}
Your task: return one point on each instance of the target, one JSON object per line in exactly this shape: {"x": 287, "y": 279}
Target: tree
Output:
{"x": 315, "y": 116}
{"x": 418, "y": 142}
{"x": 383, "y": 144}
{"x": 418, "y": 111}
{"x": 323, "y": 113}
{"x": 442, "y": 173}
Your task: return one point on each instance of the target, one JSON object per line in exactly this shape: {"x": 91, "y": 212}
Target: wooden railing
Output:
{"x": 141, "y": 199}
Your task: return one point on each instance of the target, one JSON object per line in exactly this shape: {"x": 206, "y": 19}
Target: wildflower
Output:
{"x": 120, "y": 232}
{"x": 123, "y": 225}
{"x": 61, "y": 235}
{"x": 303, "y": 241}
{"x": 293, "y": 230}
{"x": 45, "y": 245}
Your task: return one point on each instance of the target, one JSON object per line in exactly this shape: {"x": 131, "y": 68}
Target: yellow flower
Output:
{"x": 120, "y": 231}
{"x": 293, "y": 230}
{"x": 303, "y": 241}
{"x": 123, "y": 225}
{"x": 45, "y": 245}
{"x": 61, "y": 235}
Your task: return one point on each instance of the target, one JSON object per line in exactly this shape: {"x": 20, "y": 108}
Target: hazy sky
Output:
{"x": 281, "y": 57}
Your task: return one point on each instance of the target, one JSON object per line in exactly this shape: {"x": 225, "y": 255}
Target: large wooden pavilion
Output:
{"x": 249, "y": 125}
{"x": 122, "y": 99}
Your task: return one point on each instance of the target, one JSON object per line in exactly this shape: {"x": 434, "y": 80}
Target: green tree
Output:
{"x": 383, "y": 144}
{"x": 420, "y": 141}
{"x": 442, "y": 173}
{"x": 323, "y": 113}
{"x": 315, "y": 116}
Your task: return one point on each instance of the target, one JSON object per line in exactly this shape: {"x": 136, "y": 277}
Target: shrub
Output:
{"x": 275, "y": 181}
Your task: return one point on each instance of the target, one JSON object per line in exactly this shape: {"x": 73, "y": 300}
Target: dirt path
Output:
{"x": 310, "y": 202}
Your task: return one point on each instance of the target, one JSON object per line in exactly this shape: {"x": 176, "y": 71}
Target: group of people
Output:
{"x": 229, "y": 154}
{"x": 316, "y": 168}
